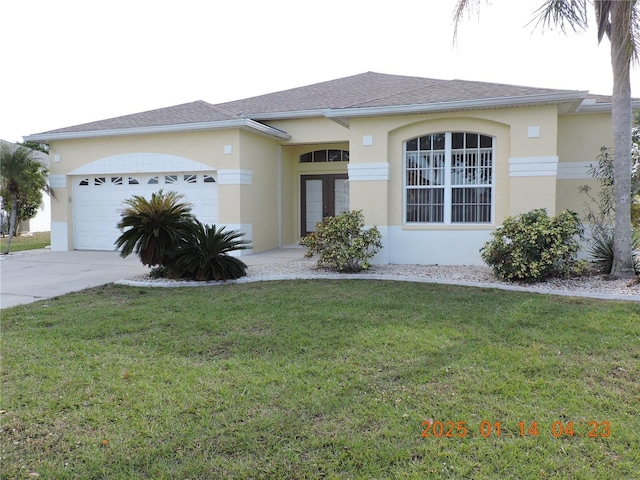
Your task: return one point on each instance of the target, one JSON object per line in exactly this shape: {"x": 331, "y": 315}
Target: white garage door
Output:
{"x": 98, "y": 202}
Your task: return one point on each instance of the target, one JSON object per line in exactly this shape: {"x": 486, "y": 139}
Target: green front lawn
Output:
{"x": 320, "y": 379}
{"x": 26, "y": 242}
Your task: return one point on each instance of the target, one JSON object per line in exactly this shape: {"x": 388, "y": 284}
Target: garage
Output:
{"x": 98, "y": 202}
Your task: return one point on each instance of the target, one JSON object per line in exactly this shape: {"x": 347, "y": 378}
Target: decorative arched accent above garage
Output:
{"x": 141, "y": 162}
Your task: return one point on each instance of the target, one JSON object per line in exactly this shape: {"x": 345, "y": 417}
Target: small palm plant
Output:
{"x": 204, "y": 254}
{"x": 151, "y": 228}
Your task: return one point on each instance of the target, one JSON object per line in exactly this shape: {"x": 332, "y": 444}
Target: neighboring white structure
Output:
{"x": 42, "y": 221}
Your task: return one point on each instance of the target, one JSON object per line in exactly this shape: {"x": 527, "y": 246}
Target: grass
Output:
{"x": 26, "y": 242}
{"x": 319, "y": 379}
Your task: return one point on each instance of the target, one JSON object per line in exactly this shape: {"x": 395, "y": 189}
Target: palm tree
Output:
{"x": 619, "y": 20}
{"x": 204, "y": 254}
{"x": 151, "y": 228}
{"x": 22, "y": 177}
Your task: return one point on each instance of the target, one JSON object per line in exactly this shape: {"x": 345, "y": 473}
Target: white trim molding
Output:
{"x": 361, "y": 172}
{"x": 59, "y": 236}
{"x": 574, "y": 170}
{"x": 241, "y": 123}
{"x": 235, "y": 177}
{"x": 533, "y": 166}
{"x": 573, "y": 97}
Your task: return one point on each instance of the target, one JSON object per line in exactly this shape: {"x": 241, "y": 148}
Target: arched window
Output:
{"x": 448, "y": 178}
{"x": 325, "y": 156}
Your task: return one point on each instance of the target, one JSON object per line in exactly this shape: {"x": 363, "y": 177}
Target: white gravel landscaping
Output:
{"x": 596, "y": 286}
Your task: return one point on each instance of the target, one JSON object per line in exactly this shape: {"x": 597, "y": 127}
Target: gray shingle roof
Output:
{"x": 368, "y": 89}
{"x": 457, "y": 90}
{"x": 340, "y": 93}
{"x": 193, "y": 112}
{"x": 377, "y": 90}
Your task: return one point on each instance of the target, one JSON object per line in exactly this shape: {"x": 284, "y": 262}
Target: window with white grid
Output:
{"x": 448, "y": 178}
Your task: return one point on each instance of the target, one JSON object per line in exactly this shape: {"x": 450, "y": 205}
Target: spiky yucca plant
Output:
{"x": 601, "y": 250}
{"x": 151, "y": 228}
{"x": 204, "y": 254}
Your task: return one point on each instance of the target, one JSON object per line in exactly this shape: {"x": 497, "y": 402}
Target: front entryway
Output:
{"x": 322, "y": 196}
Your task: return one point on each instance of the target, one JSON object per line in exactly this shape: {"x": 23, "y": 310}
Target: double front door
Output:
{"x": 322, "y": 196}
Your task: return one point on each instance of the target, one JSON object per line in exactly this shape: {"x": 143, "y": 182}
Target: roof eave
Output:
{"x": 548, "y": 98}
{"x": 243, "y": 123}
{"x": 296, "y": 114}
{"x": 603, "y": 106}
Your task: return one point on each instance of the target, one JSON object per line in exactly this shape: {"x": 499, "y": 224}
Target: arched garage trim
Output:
{"x": 141, "y": 163}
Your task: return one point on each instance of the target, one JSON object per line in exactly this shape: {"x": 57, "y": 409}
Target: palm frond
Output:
{"x": 635, "y": 32}
{"x": 603, "y": 11}
{"x": 563, "y": 14}
{"x": 462, "y": 7}
{"x": 205, "y": 254}
{"x": 151, "y": 228}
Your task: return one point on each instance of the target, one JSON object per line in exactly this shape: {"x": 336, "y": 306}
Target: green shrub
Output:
{"x": 204, "y": 255}
{"x": 533, "y": 246}
{"x": 153, "y": 227}
{"x": 342, "y": 243}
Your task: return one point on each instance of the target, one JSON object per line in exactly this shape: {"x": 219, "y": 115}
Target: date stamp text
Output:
{"x": 488, "y": 429}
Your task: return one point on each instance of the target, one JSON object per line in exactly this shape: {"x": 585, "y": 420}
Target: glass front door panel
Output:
{"x": 314, "y": 204}
{"x": 341, "y": 195}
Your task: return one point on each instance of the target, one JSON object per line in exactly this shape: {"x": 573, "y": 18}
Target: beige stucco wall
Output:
{"x": 257, "y": 204}
{"x": 580, "y": 138}
{"x": 312, "y": 131}
{"x": 205, "y": 147}
{"x": 529, "y": 193}
{"x": 569, "y": 197}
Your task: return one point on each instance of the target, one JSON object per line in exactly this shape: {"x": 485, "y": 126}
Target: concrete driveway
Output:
{"x": 33, "y": 275}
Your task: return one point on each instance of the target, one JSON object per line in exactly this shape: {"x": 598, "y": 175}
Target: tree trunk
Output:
{"x": 12, "y": 221}
{"x": 621, "y": 116}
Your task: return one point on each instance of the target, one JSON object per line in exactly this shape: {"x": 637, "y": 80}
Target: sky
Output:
{"x": 67, "y": 62}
